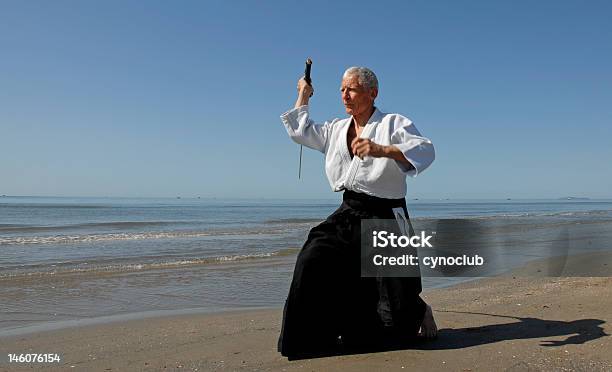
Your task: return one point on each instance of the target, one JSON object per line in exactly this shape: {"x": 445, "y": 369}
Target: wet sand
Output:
{"x": 510, "y": 323}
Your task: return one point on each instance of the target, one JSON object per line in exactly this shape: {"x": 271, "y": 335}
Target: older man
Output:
{"x": 367, "y": 156}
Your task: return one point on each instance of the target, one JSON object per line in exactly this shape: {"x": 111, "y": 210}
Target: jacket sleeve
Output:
{"x": 418, "y": 150}
{"x": 304, "y": 131}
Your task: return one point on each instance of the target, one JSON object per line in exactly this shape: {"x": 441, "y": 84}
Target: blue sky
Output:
{"x": 144, "y": 98}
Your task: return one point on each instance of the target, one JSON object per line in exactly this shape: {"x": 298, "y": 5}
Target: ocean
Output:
{"x": 65, "y": 260}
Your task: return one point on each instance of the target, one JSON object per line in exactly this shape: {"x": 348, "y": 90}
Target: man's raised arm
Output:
{"x": 304, "y": 92}
{"x": 299, "y": 126}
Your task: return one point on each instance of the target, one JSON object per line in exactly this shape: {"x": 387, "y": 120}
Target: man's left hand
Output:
{"x": 363, "y": 147}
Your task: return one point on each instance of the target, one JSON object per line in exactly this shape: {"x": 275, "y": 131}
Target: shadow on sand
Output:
{"x": 569, "y": 332}
{"x": 573, "y": 332}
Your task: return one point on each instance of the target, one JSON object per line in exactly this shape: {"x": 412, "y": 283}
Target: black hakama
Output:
{"x": 330, "y": 307}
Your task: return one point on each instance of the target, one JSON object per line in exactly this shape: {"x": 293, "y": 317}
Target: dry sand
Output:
{"x": 557, "y": 324}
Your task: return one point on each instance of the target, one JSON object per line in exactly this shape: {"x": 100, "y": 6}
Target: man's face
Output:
{"x": 356, "y": 98}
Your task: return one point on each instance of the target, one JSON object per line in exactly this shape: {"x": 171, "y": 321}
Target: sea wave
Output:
{"x": 150, "y": 235}
{"x": 53, "y": 206}
{"x": 509, "y": 215}
{"x": 293, "y": 220}
{"x": 85, "y": 267}
{"x": 23, "y": 228}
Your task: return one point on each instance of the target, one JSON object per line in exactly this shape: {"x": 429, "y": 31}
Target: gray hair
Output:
{"x": 366, "y": 77}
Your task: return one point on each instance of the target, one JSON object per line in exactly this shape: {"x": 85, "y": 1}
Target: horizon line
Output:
{"x": 180, "y": 197}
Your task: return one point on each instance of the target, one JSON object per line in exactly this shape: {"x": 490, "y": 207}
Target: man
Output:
{"x": 368, "y": 156}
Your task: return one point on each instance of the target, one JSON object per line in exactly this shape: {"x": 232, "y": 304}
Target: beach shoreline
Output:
{"x": 511, "y": 323}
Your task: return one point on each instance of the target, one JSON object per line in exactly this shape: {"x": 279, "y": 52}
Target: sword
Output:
{"x": 309, "y": 81}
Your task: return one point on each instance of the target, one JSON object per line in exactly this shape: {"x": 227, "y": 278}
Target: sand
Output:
{"x": 554, "y": 324}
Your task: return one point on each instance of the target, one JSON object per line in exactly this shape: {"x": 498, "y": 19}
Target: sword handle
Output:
{"x": 307, "y": 72}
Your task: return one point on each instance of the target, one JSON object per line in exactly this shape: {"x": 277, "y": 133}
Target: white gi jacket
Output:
{"x": 381, "y": 177}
